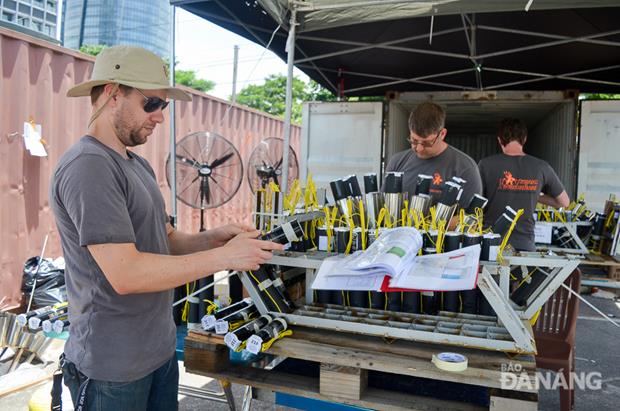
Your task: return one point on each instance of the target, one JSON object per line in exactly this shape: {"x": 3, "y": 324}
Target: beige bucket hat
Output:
{"x": 130, "y": 66}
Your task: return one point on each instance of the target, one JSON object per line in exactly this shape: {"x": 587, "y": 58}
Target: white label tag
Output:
{"x": 221, "y": 327}
{"x": 47, "y": 326}
{"x": 58, "y": 326}
{"x": 265, "y": 284}
{"x": 322, "y": 243}
{"x": 232, "y": 341}
{"x": 277, "y": 282}
{"x": 542, "y": 233}
{"x": 254, "y": 344}
{"x": 493, "y": 251}
{"x": 208, "y": 322}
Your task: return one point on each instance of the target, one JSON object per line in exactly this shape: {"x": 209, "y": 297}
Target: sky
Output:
{"x": 209, "y": 50}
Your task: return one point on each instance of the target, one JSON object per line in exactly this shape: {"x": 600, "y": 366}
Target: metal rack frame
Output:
{"x": 571, "y": 227}
{"x": 493, "y": 282}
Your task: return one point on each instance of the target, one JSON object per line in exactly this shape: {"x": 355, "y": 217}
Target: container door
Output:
{"x": 599, "y": 151}
{"x": 339, "y": 139}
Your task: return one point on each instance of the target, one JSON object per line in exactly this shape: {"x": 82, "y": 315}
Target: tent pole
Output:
{"x": 172, "y": 163}
{"x": 290, "y": 45}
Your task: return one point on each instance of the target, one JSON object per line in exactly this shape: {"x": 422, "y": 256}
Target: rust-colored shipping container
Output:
{"x": 34, "y": 79}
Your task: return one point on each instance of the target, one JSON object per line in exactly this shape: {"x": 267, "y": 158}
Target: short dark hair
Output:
{"x": 96, "y": 92}
{"x": 427, "y": 118}
{"x": 512, "y": 129}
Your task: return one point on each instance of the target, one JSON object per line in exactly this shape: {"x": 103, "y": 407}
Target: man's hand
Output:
{"x": 219, "y": 236}
{"x": 245, "y": 252}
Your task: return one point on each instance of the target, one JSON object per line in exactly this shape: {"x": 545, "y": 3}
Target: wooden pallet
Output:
{"x": 345, "y": 361}
{"x": 610, "y": 265}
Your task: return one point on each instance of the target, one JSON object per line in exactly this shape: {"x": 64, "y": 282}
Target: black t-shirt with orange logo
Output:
{"x": 450, "y": 163}
{"x": 517, "y": 181}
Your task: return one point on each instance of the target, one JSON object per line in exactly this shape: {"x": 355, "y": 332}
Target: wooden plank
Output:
{"x": 411, "y": 362}
{"x": 206, "y": 356}
{"x": 309, "y": 388}
{"x": 477, "y": 358}
{"x": 338, "y": 381}
{"x": 511, "y": 404}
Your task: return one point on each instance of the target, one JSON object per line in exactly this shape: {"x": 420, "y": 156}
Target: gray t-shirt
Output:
{"x": 100, "y": 197}
{"x": 517, "y": 181}
{"x": 450, "y": 163}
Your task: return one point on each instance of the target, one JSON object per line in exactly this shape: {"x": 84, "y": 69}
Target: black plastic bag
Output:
{"x": 50, "y": 288}
{"x": 47, "y": 272}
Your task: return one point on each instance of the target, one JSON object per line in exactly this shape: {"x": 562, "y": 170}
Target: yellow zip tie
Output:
{"x": 380, "y": 219}
{"x": 441, "y": 232}
{"x": 266, "y": 292}
{"x": 433, "y": 212}
{"x": 500, "y": 256}
{"x": 269, "y": 343}
{"x": 363, "y": 224}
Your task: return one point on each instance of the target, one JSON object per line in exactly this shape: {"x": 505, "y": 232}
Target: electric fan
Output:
{"x": 209, "y": 171}
{"x": 265, "y": 164}
{"x": 208, "y": 174}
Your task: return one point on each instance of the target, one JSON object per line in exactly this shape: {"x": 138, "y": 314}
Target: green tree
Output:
{"x": 186, "y": 77}
{"x": 270, "y": 96}
{"x": 92, "y": 49}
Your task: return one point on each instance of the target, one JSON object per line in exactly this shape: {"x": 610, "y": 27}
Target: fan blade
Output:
{"x": 221, "y": 160}
{"x": 279, "y": 163}
{"x": 205, "y": 192}
{"x": 185, "y": 160}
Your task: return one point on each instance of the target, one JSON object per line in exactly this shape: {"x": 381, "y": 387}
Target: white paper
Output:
{"x": 452, "y": 271}
{"x": 221, "y": 327}
{"x": 32, "y": 140}
{"x": 354, "y": 282}
{"x": 232, "y": 341}
{"x": 207, "y": 322}
{"x": 542, "y": 233}
{"x": 322, "y": 243}
{"x": 254, "y": 344}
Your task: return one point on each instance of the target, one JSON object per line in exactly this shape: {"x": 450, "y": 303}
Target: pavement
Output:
{"x": 597, "y": 348}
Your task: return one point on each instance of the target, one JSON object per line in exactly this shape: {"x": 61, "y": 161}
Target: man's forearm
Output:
{"x": 184, "y": 243}
{"x": 146, "y": 272}
{"x": 548, "y": 200}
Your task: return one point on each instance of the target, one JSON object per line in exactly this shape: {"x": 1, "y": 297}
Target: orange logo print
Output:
{"x": 510, "y": 182}
{"x": 437, "y": 180}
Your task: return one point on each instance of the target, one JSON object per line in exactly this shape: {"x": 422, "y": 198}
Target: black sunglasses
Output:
{"x": 153, "y": 103}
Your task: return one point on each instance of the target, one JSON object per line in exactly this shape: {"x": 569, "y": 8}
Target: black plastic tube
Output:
{"x": 354, "y": 186}
{"x": 423, "y": 184}
{"x": 393, "y": 182}
{"x": 340, "y": 189}
{"x": 370, "y": 183}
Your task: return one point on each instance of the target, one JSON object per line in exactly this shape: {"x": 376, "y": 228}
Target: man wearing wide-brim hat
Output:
{"x": 123, "y": 258}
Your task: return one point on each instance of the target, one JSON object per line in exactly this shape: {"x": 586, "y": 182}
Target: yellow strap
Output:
{"x": 500, "y": 252}
{"x": 363, "y": 224}
{"x": 266, "y": 292}
{"x": 441, "y": 233}
{"x": 433, "y": 212}
{"x": 269, "y": 343}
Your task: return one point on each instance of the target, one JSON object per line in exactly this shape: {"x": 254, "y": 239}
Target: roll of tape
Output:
{"x": 450, "y": 361}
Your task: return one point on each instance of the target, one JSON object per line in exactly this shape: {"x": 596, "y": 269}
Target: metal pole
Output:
{"x": 173, "y": 152}
{"x": 290, "y": 47}
{"x": 233, "y": 98}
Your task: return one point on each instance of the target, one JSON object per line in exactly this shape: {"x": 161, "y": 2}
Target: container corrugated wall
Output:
{"x": 34, "y": 79}
{"x": 555, "y": 140}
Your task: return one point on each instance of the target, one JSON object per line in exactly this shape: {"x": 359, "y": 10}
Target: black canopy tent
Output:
{"x": 370, "y": 47}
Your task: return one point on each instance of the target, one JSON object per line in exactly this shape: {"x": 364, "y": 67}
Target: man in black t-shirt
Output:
{"x": 431, "y": 155}
{"x": 518, "y": 180}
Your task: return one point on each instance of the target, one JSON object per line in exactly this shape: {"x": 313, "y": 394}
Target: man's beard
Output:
{"x": 126, "y": 132}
